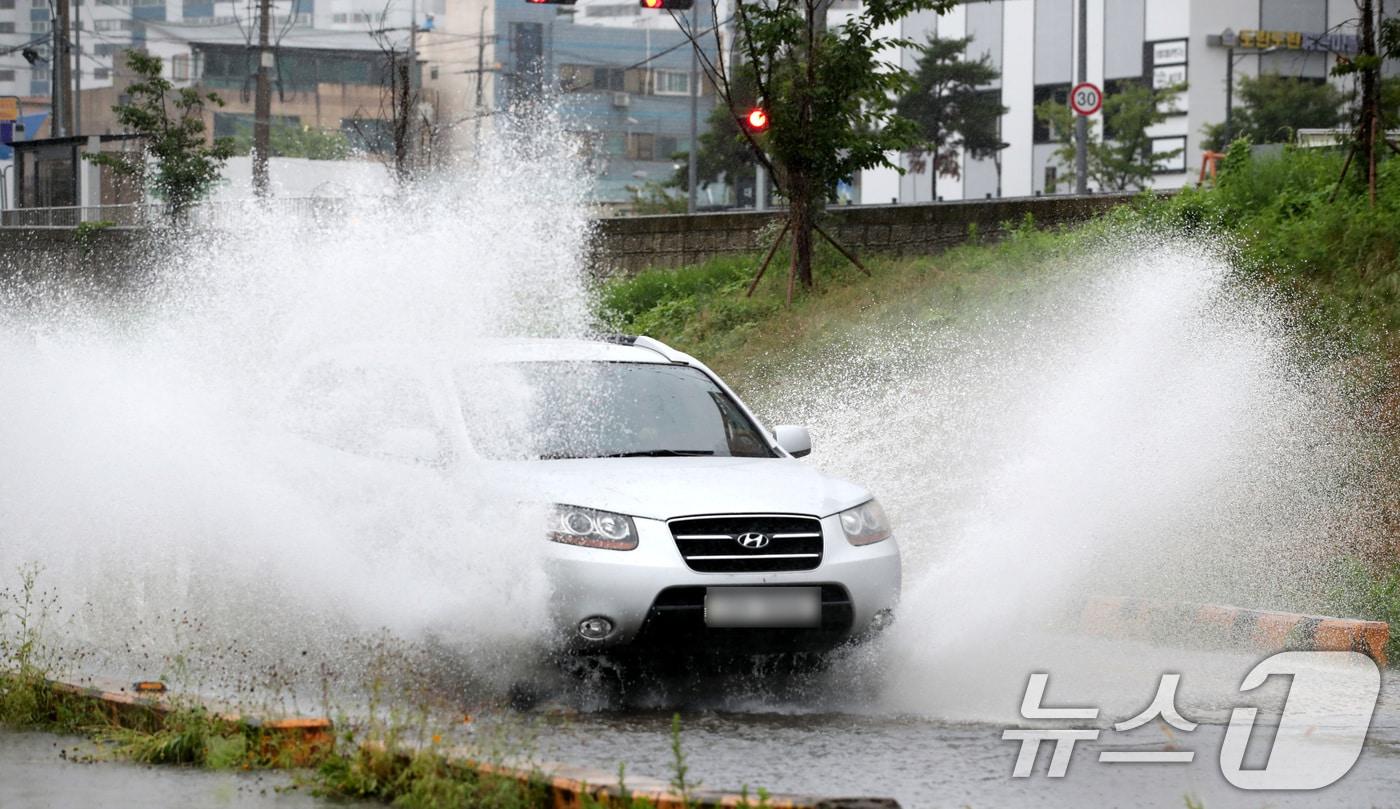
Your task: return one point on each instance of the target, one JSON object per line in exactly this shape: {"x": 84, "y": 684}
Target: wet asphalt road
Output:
{"x": 42, "y": 771}
{"x": 928, "y": 737}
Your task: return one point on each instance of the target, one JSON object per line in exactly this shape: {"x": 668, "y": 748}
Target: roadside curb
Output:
{"x": 290, "y": 741}
{"x": 1262, "y": 630}
{"x": 304, "y": 741}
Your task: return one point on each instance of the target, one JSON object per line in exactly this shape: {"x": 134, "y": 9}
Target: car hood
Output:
{"x": 663, "y": 488}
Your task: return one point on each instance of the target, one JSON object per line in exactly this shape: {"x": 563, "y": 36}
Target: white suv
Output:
{"x": 674, "y": 518}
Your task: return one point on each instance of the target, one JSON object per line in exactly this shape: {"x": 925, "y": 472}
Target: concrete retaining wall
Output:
{"x": 112, "y": 258}
{"x": 631, "y": 244}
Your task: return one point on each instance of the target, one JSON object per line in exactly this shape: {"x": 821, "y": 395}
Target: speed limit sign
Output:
{"x": 1086, "y": 98}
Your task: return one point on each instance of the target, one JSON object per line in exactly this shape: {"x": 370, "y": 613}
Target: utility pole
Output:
{"x": 262, "y": 100}
{"x": 693, "y": 157}
{"x": 62, "y": 71}
{"x": 480, "y": 80}
{"x": 77, "y": 70}
{"x": 1081, "y": 122}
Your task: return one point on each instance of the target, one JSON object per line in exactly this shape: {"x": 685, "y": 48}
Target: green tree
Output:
{"x": 296, "y": 140}
{"x": 830, "y": 100}
{"x": 951, "y": 112}
{"x": 1271, "y": 107}
{"x": 1123, "y": 158}
{"x": 172, "y": 123}
{"x": 724, "y": 151}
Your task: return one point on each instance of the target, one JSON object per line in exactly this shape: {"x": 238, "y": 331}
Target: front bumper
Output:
{"x": 653, "y": 597}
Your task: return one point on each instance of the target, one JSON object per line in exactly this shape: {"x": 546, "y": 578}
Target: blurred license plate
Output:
{"x": 763, "y": 607}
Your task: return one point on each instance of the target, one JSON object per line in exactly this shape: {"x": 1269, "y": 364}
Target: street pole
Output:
{"x": 1229, "y": 95}
{"x": 413, "y": 47}
{"x": 62, "y": 71}
{"x": 692, "y": 155}
{"x": 480, "y": 80}
{"x": 262, "y": 101}
{"x": 1081, "y": 122}
{"x": 77, "y": 71}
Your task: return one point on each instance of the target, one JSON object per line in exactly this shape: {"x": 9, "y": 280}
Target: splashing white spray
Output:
{"x": 1142, "y": 428}
{"x": 149, "y": 471}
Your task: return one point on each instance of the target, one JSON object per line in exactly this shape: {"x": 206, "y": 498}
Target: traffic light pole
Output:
{"x": 1081, "y": 122}
{"x": 692, "y": 156}
{"x": 262, "y": 100}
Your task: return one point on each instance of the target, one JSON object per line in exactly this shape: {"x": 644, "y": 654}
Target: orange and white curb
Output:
{"x": 1259, "y": 630}
{"x": 303, "y": 741}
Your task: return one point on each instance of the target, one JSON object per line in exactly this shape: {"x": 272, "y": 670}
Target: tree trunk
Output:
{"x": 801, "y": 216}
{"x": 1370, "y": 98}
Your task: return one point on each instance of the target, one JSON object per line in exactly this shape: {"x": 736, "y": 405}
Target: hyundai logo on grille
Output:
{"x": 753, "y": 540}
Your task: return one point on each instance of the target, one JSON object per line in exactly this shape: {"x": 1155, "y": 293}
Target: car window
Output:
{"x": 599, "y": 409}
{"x": 377, "y": 411}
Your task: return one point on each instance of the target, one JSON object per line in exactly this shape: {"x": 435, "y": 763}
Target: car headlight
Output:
{"x": 591, "y": 528}
{"x": 865, "y": 524}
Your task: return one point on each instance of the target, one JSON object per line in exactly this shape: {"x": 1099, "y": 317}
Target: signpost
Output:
{"x": 1086, "y": 98}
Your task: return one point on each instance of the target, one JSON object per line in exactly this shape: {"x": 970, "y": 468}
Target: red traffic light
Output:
{"x": 675, "y": 5}
{"x": 757, "y": 119}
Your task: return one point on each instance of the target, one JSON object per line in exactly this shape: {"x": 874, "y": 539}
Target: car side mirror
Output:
{"x": 795, "y": 441}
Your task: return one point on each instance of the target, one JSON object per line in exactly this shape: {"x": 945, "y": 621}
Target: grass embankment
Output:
{"x": 1337, "y": 259}
{"x": 703, "y": 309}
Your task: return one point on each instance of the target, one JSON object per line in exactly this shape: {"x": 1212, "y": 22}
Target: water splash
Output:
{"x": 149, "y": 470}
{"x": 1142, "y": 426}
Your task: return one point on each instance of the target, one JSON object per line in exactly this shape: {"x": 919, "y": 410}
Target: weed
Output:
{"x": 26, "y": 700}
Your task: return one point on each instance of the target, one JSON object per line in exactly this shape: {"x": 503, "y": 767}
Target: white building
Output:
{"x": 1033, "y": 44}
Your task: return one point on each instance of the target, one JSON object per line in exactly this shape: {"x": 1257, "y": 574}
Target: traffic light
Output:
{"x": 756, "y": 120}
{"x": 673, "y": 5}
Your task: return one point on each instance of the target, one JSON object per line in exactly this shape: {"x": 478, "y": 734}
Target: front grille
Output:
{"x": 711, "y": 544}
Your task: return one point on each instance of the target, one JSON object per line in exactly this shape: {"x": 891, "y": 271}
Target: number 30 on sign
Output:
{"x": 1086, "y": 98}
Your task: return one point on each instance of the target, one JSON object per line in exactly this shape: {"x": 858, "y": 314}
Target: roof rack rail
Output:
{"x": 620, "y": 339}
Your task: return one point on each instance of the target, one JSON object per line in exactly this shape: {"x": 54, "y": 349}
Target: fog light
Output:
{"x": 882, "y": 620}
{"x": 595, "y": 628}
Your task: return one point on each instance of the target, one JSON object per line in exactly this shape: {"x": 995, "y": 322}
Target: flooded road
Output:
{"x": 39, "y": 771}
{"x": 925, "y": 761}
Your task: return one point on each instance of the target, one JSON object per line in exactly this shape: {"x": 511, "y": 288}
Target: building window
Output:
{"x": 180, "y": 67}
{"x": 7, "y": 75}
{"x": 608, "y": 78}
{"x": 41, "y": 26}
{"x": 106, "y": 48}
{"x": 671, "y": 82}
{"x": 7, "y": 4}
{"x": 1051, "y": 175}
{"x": 641, "y": 146}
{"x": 1169, "y": 154}
{"x": 101, "y": 74}
{"x": 340, "y": 18}
{"x": 7, "y": 28}
{"x": 666, "y": 146}
{"x": 1059, "y": 93}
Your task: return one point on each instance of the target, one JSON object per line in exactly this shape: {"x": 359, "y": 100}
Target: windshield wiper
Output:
{"x": 660, "y": 453}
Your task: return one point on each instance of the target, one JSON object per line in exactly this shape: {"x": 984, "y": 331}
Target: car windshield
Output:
{"x": 560, "y": 410}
